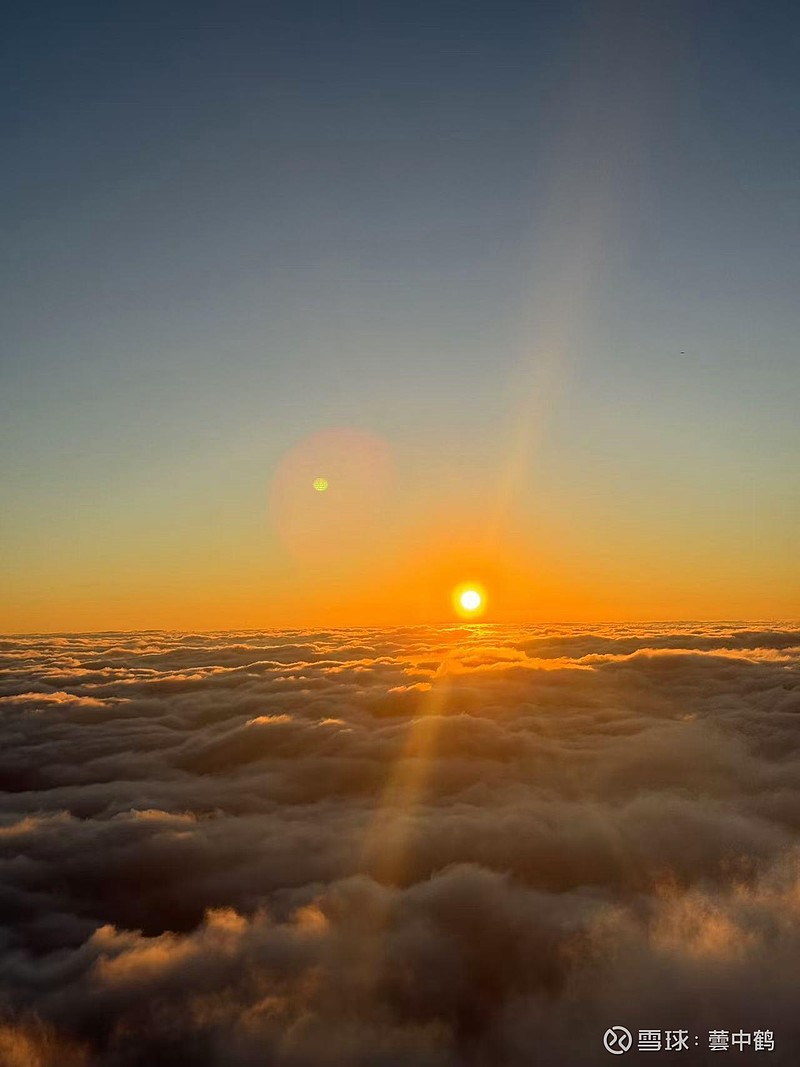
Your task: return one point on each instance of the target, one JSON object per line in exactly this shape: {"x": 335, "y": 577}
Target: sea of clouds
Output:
{"x": 421, "y": 847}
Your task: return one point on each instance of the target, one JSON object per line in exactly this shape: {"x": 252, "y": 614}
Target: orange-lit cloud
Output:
{"x": 305, "y": 844}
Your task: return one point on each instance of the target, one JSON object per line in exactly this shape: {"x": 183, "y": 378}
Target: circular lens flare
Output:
{"x": 326, "y": 495}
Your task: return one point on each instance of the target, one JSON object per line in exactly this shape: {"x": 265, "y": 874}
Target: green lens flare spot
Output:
{"x": 320, "y": 484}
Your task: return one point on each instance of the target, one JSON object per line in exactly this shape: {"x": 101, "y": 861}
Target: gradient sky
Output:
{"x": 531, "y": 270}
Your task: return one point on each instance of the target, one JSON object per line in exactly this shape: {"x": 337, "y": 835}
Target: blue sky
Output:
{"x": 228, "y": 226}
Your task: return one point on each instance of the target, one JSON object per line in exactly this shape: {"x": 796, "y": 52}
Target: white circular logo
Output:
{"x": 617, "y": 1040}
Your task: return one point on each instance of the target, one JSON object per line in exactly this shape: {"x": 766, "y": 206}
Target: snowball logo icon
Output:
{"x": 617, "y": 1040}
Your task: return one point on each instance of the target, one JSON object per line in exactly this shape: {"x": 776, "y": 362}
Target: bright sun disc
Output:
{"x": 469, "y": 600}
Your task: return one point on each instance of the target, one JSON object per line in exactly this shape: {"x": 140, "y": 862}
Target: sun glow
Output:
{"x": 469, "y": 600}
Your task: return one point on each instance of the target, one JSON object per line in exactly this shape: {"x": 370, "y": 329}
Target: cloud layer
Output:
{"x": 427, "y": 847}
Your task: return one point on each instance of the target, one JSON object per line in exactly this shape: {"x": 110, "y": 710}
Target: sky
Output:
{"x": 518, "y": 279}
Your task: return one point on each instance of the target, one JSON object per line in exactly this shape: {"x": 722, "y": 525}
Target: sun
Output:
{"x": 469, "y": 600}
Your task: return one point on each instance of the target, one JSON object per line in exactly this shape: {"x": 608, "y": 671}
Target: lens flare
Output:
{"x": 327, "y": 493}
